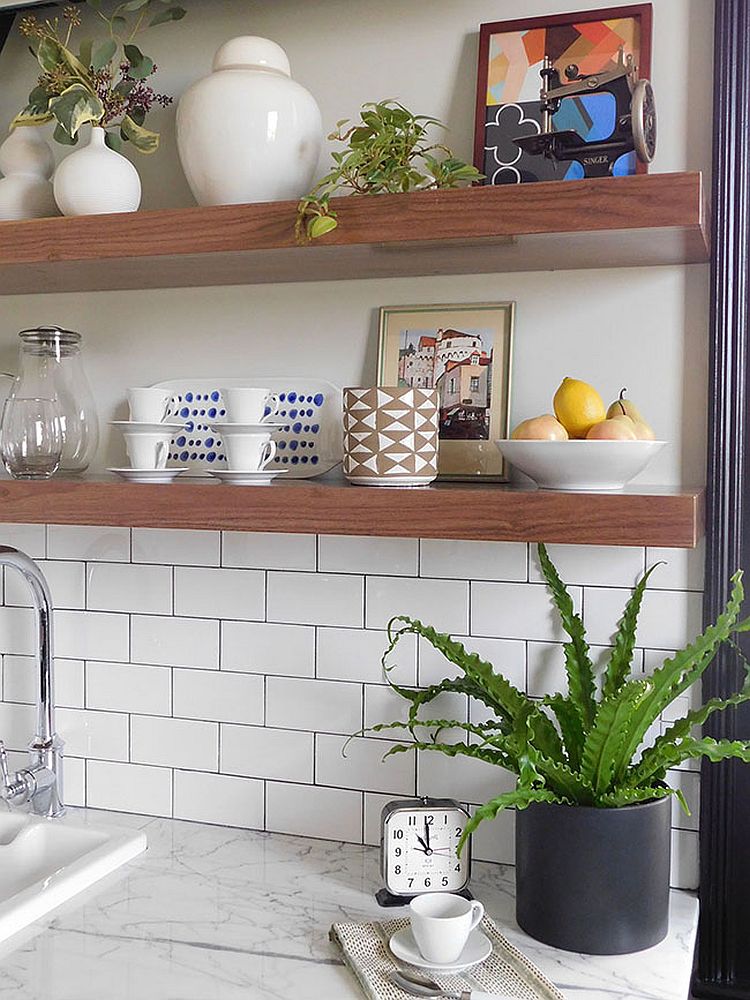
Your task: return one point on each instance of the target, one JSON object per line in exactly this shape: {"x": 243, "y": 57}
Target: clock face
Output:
{"x": 419, "y": 847}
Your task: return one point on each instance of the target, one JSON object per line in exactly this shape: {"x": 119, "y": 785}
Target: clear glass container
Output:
{"x": 51, "y": 367}
{"x": 31, "y": 441}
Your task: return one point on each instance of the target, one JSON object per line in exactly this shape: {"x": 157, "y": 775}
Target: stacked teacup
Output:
{"x": 148, "y": 436}
{"x": 247, "y": 435}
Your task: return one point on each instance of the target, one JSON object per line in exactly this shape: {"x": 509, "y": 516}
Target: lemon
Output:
{"x": 578, "y": 406}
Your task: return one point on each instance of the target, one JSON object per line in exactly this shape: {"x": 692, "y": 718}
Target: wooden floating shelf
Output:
{"x": 489, "y": 512}
{"x": 608, "y": 222}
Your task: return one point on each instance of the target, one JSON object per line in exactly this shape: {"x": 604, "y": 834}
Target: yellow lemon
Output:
{"x": 578, "y": 406}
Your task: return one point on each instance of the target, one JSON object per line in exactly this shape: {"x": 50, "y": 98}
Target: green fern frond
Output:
{"x": 520, "y": 798}
{"x": 571, "y": 727}
{"x": 608, "y": 734}
{"x": 621, "y": 660}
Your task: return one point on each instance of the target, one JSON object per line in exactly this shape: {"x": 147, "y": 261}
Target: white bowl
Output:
{"x": 580, "y": 465}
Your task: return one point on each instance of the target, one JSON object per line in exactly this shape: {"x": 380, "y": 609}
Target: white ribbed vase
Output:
{"x": 95, "y": 180}
{"x": 248, "y": 132}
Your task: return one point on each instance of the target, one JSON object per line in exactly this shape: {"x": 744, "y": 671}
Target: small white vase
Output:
{"x": 27, "y": 162}
{"x": 95, "y": 180}
{"x": 248, "y": 132}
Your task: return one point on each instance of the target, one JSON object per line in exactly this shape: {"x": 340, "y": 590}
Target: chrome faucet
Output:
{"x": 41, "y": 783}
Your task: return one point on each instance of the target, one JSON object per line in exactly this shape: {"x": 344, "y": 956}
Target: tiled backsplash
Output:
{"x": 215, "y": 676}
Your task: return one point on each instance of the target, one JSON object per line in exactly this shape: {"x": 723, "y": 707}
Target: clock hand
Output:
{"x": 427, "y": 833}
{"x": 425, "y": 846}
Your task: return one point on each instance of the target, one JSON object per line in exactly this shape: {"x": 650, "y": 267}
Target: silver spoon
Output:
{"x": 417, "y": 986}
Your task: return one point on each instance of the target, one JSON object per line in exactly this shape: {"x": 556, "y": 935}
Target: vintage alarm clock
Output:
{"x": 418, "y": 842}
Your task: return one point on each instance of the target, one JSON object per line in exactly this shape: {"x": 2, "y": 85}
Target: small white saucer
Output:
{"x": 265, "y": 428}
{"x": 478, "y": 948}
{"x": 140, "y": 427}
{"x": 149, "y": 475}
{"x": 264, "y": 477}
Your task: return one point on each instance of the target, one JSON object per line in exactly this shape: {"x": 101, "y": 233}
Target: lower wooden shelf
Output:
{"x": 657, "y": 517}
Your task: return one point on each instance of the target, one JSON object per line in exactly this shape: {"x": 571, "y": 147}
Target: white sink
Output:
{"x": 45, "y": 862}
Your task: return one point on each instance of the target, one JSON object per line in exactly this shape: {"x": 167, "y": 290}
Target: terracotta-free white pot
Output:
{"x": 95, "y": 180}
{"x": 27, "y": 163}
{"x": 248, "y": 132}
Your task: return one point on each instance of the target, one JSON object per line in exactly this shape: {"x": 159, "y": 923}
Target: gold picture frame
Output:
{"x": 465, "y": 351}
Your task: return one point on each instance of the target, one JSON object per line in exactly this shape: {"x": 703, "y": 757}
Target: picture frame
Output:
{"x": 465, "y": 351}
{"x": 508, "y": 84}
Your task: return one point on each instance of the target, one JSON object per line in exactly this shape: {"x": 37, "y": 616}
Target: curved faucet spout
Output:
{"x": 42, "y": 780}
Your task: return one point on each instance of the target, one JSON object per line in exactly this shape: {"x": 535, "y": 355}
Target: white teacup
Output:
{"x": 149, "y": 406}
{"x": 248, "y": 452}
{"x": 147, "y": 451}
{"x": 441, "y": 923}
{"x": 248, "y": 406}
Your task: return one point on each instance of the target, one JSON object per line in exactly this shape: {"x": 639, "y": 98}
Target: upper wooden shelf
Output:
{"x": 486, "y": 512}
{"x": 609, "y": 222}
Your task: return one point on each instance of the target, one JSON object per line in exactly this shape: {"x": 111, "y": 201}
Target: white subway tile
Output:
{"x": 74, "y": 782}
{"x": 67, "y": 584}
{"x": 90, "y": 635}
{"x": 176, "y": 642}
{"x": 348, "y": 654}
{"x": 460, "y": 560}
{"x": 591, "y": 565}
{"x": 257, "y": 752}
{"x": 358, "y": 554}
{"x": 516, "y": 611}
{"x": 21, "y": 678}
{"x": 495, "y": 840}
{"x": 508, "y": 657}
{"x": 309, "y": 811}
{"x": 374, "y": 805}
{"x": 384, "y": 705}
{"x": 176, "y": 547}
{"x": 219, "y": 593}
{"x": 546, "y": 669}
{"x": 92, "y": 544}
{"x": 28, "y": 538}
{"x": 685, "y": 860}
{"x": 174, "y": 743}
{"x": 129, "y": 687}
{"x": 262, "y": 648}
{"x": 222, "y": 697}
{"x": 315, "y": 599}
{"x": 129, "y": 788}
{"x": 17, "y": 631}
{"x": 683, "y": 569}
{"x": 318, "y": 706}
{"x": 133, "y": 589}
{"x": 103, "y": 735}
{"x": 441, "y": 603}
{"x": 17, "y": 725}
{"x": 218, "y": 798}
{"x": 668, "y": 619}
{"x": 464, "y": 778}
{"x": 268, "y": 550}
{"x": 689, "y": 783}
{"x": 360, "y": 764}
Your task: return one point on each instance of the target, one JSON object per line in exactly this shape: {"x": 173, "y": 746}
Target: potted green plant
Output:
{"x": 593, "y": 803}
{"x": 388, "y": 151}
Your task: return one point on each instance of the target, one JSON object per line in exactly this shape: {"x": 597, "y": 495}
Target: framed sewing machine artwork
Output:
{"x": 566, "y": 96}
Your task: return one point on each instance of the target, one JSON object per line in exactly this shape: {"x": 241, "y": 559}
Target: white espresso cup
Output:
{"x": 248, "y": 452}
{"x": 248, "y": 406}
{"x": 147, "y": 451}
{"x": 149, "y": 406}
{"x": 441, "y": 923}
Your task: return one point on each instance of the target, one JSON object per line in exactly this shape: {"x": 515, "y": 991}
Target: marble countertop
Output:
{"x": 210, "y": 913}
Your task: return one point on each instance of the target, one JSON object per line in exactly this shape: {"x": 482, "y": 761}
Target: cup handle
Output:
{"x": 161, "y": 455}
{"x": 167, "y": 404}
{"x": 270, "y": 447}
{"x": 274, "y": 405}
{"x": 477, "y": 913}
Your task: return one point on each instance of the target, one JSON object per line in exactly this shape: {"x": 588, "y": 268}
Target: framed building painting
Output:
{"x": 465, "y": 352}
{"x": 512, "y": 56}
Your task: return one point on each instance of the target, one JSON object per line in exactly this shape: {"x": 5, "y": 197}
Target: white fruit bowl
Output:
{"x": 580, "y": 465}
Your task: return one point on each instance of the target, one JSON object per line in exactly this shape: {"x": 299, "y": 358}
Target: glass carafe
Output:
{"x": 51, "y": 367}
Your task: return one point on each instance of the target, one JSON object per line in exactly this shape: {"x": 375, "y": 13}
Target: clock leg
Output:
{"x": 389, "y": 899}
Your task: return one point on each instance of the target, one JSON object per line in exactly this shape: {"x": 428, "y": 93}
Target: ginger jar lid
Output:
{"x": 252, "y": 52}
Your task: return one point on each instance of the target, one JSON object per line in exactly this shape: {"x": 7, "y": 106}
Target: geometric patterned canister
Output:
{"x": 390, "y": 436}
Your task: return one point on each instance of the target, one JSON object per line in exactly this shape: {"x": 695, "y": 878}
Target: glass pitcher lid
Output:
{"x": 50, "y": 335}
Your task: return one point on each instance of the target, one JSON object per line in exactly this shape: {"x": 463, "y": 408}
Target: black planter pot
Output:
{"x": 594, "y": 880}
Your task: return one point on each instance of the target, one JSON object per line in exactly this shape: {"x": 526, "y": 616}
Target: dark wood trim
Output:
{"x": 6, "y": 23}
{"x": 642, "y": 10}
{"x": 724, "y": 957}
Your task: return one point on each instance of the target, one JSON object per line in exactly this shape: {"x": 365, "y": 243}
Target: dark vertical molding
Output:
{"x": 6, "y": 23}
{"x": 724, "y": 959}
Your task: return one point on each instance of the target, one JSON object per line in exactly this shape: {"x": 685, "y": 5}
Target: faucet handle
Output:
{"x": 4, "y": 769}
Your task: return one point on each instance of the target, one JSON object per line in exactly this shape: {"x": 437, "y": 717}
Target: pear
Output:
{"x": 544, "y": 428}
{"x": 620, "y": 428}
{"x": 624, "y": 408}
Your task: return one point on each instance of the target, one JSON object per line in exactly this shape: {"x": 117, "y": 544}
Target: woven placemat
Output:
{"x": 506, "y": 972}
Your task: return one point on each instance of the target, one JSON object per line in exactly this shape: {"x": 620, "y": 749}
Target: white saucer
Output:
{"x": 140, "y": 427}
{"x": 478, "y": 948}
{"x": 264, "y": 477}
{"x": 265, "y": 428}
{"x": 149, "y": 475}
{"x": 394, "y": 482}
